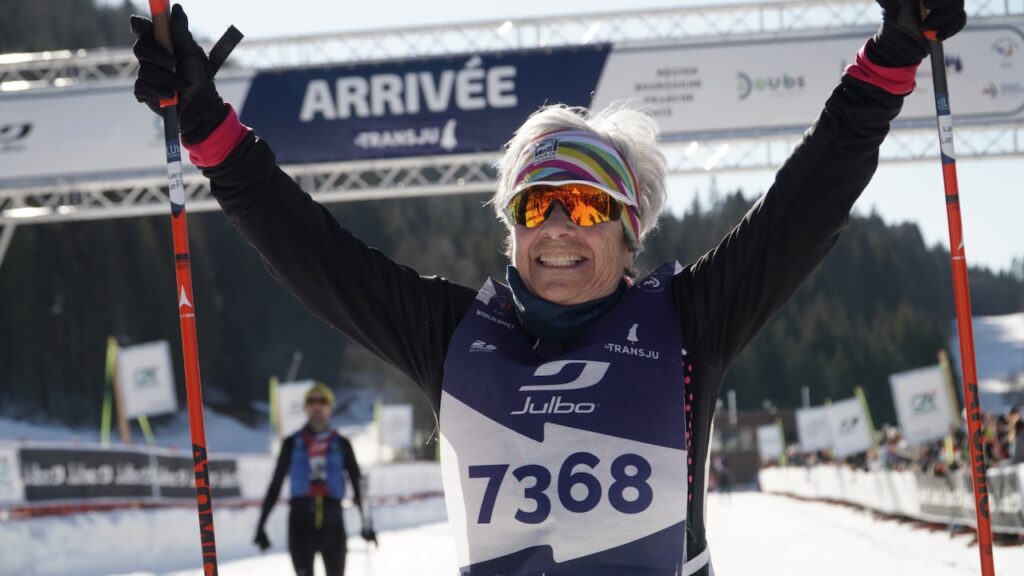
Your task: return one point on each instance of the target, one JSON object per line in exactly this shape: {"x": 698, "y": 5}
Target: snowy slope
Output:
{"x": 999, "y": 355}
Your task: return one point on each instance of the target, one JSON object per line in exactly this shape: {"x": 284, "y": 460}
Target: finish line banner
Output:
{"x": 474, "y": 102}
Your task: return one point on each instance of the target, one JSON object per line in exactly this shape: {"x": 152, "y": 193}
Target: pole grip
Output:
{"x": 160, "y": 10}
{"x": 928, "y": 34}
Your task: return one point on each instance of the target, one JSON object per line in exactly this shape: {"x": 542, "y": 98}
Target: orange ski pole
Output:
{"x": 962, "y": 295}
{"x": 186, "y": 310}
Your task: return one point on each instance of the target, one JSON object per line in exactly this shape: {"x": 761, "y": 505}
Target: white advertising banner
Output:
{"x": 433, "y": 105}
{"x": 291, "y": 406}
{"x": 396, "y": 425}
{"x": 812, "y": 426}
{"x": 145, "y": 380}
{"x": 770, "y": 443}
{"x": 11, "y": 488}
{"x": 922, "y": 404}
{"x": 849, "y": 428}
{"x": 773, "y": 84}
{"x": 93, "y": 131}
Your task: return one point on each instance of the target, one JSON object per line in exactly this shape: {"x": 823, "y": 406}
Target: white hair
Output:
{"x": 632, "y": 132}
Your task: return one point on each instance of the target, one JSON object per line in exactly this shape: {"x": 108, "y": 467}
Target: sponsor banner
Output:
{"x": 145, "y": 380}
{"x": 291, "y": 406}
{"x": 770, "y": 443}
{"x": 176, "y": 477}
{"x": 396, "y": 425}
{"x": 812, "y": 426}
{"x": 779, "y": 84}
{"x": 942, "y": 498}
{"x": 1005, "y": 499}
{"x": 92, "y": 130}
{"x": 69, "y": 474}
{"x": 51, "y": 474}
{"x": 474, "y": 102}
{"x": 923, "y": 406}
{"x": 415, "y": 107}
{"x": 848, "y": 427}
{"x": 10, "y": 475}
{"x": 951, "y": 498}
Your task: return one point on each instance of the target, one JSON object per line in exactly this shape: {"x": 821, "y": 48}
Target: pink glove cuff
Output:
{"x": 216, "y": 147}
{"x": 899, "y": 81}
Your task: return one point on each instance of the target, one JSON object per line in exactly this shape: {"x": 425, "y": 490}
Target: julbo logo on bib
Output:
{"x": 591, "y": 374}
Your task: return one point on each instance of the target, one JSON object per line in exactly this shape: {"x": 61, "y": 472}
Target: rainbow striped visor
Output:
{"x": 578, "y": 157}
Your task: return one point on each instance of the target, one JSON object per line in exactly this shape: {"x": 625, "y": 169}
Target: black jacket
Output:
{"x": 723, "y": 299}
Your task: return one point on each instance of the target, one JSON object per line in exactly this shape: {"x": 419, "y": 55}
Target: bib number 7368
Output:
{"x": 629, "y": 493}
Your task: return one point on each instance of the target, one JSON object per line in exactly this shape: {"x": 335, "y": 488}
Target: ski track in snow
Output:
{"x": 750, "y": 533}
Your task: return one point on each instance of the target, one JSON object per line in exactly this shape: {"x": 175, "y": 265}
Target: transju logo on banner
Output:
{"x": 291, "y": 407}
{"x": 812, "y": 426}
{"x": 770, "y": 443}
{"x": 849, "y": 427}
{"x": 923, "y": 406}
{"x": 145, "y": 380}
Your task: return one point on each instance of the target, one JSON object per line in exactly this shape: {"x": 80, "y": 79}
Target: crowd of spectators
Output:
{"x": 1002, "y": 441}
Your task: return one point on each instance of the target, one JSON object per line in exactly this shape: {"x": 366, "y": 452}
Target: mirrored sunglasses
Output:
{"x": 585, "y": 205}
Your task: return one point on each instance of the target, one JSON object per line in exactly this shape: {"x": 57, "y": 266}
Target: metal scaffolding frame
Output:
{"x": 473, "y": 173}
{"x": 451, "y": 175}
{"x": 679, "y": 25}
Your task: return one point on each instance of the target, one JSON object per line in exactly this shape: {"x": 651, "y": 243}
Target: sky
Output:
{"x": 992, "y": 199}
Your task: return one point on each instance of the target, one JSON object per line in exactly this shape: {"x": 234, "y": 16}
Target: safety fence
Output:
{"x": 947, "y": 499}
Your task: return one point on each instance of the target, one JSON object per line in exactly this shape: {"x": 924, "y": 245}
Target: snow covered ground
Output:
{"x": 750, "y": 533}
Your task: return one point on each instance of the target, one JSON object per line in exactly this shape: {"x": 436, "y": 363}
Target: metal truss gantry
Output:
{"x": 451, "y": 175}
{"x": 468, "y": 174}
{"x": 695, "y": 23}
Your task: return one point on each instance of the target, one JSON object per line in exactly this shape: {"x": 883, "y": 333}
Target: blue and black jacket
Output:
{"x": 316, "y": 476}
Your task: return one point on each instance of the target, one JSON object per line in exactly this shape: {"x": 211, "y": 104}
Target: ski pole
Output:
{"x": 962, "y": 295}
{"x": 186, "y": 310}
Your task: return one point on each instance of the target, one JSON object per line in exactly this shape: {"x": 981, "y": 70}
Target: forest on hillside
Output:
{"x": 882, "y": 302}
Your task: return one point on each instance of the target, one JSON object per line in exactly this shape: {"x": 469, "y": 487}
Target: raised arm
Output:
{"x": 728, "y": 295}
{"x": 398, "y": 315}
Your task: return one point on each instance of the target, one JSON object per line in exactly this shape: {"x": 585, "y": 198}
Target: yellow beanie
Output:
{"x": 323, "y": 390}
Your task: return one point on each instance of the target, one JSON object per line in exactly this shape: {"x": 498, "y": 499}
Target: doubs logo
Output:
{"x": 589, "y": 375}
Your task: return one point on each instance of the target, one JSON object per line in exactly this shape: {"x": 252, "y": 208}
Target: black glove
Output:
{"x": 900, "y": 40}
{"x": 261, "y": 539}
{"x": 370, "y": 536}
{"x": 188, "y": 72}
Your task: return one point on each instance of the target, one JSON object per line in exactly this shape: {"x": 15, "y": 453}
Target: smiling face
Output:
{"x": 568, "y": 264}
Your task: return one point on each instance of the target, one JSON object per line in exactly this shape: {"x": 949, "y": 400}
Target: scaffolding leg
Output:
{"x": 6, "y": 233}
